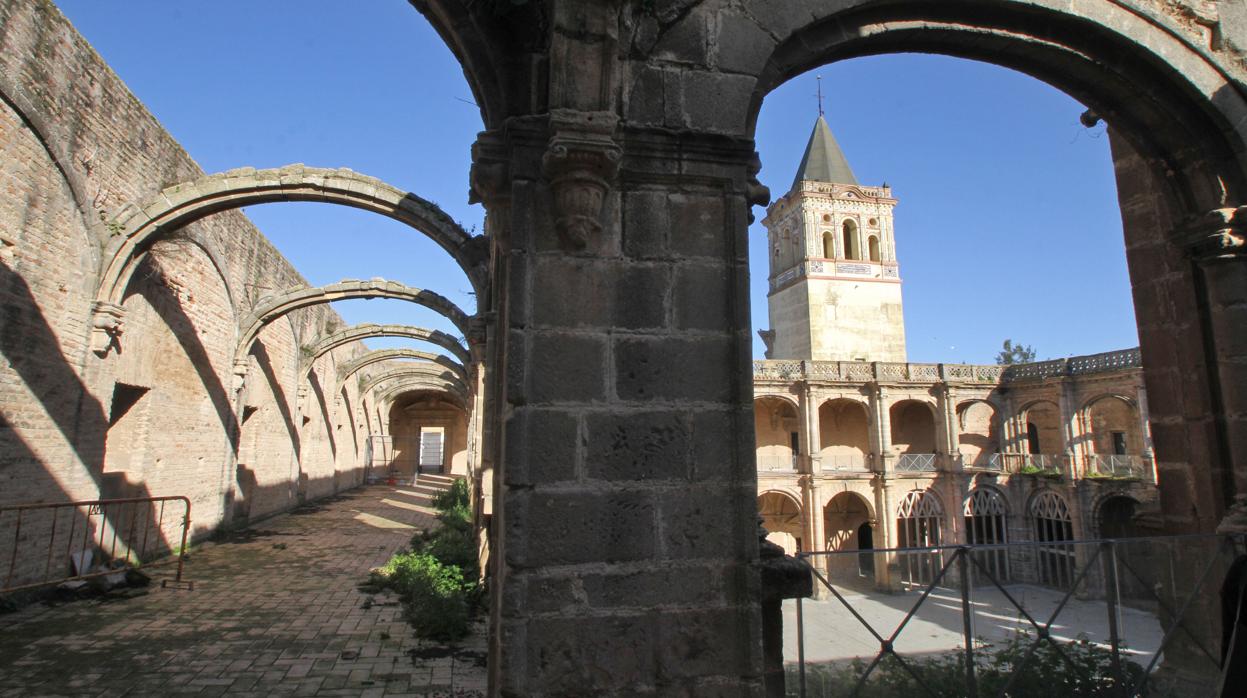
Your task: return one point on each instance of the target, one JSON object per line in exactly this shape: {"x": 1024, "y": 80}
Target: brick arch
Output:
{"x": 424, "y": 357}
{"x": 274, "y": 307}
{"x": 418, "y": 383}
{"x": 135, "y": 227}
{"x": 432, "y": 373}
{"x": 1191, "y": 116}
{"x": 356, "y": 333}
{"x": 1086, "y": 404}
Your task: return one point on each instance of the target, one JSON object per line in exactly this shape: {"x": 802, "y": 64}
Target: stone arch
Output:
{"x": 913, "y": 426}
{"x": 775, "y": 422}
{"x": 1053, "y": 527}
{"x": 421, "y": 357}
{"x": 844, "y": 434}
{"x": 135, "y": 227}
{"x": 1114, "y": 513}
{"x": 387, "y": 393}
{"x": 985, "y": 515}
{"x": 273, "y": 307}
{"x": 848, "y": 520}
{"x": 356, "y": 333}
{"x": 418, "y": 417}
{"x": 33, "y": 117}
{"x": 432, "y": 371}
{"x": 1193, "y": 118}
{"x": 1041, "y": 423}
{"x": 782, "y": 516}
{"x": 476, "y": 38}
{"x": 1111, "y": 426}
{"x": 978, "y": 431}
{"x": 919, "y": 524}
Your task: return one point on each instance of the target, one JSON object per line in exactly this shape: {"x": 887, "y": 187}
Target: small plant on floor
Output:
{"x": 438, "y": 579}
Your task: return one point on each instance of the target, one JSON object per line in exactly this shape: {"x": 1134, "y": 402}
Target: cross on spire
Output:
{"x": 819, "y": 80}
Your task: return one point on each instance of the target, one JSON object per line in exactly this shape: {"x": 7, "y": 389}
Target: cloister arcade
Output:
{"x": 958, "y": 460}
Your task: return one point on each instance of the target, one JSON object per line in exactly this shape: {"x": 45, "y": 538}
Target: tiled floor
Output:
{"x": 275, "y": 611}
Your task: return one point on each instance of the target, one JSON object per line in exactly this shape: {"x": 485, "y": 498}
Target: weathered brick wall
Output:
{"x": 75, "y": 147}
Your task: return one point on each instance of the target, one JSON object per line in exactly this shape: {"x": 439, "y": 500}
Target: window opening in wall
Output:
{"x": 1119, "y": 443}
{"x": 918, "y": 526}
{"x": 124, "y": 397}
{"x": 431, "y": 448}
{"x": 829, "y": 246}
{"x": 1053, "y": 530}
{"x": 794, "y": 442}
{"x": 985, "y": 525}
{"x": 1032, "y": 439}
{"x": 873, "y": 244}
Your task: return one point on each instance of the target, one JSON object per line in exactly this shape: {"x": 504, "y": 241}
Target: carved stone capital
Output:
{"x": 107, "y": 324}
{"x": 581, "y": 161}
{"x": 1220, "y": 234}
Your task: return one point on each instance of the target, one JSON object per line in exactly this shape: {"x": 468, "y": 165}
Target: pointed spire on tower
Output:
{"x": 823, "y": 160}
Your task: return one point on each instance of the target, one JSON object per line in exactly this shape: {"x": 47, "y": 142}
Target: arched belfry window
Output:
{"x": 829, "y": 245}
{"x": 851, "y": 250}
{"x": 873, "y": 248}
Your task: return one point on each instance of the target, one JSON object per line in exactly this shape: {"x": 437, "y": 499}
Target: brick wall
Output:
{"x": 156, "y": 415}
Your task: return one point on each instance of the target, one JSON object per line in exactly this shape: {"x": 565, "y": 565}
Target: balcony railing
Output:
{"x": 1116, "y": 466}
{"x": 791, "y": 370}
{"x": 1058, "y": 618}
{"x": 915, "y": 463}
{"x": 785, "y": 463}
{"x": 845, "y": 461}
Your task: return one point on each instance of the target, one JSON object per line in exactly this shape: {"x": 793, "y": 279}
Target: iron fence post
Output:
{"x": 800, "y": 648}
{"x": 967, "y": 620}
{"x": 1112, "y": 600}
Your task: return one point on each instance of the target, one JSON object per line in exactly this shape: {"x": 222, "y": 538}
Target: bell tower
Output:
{"x": 835, "y": 286}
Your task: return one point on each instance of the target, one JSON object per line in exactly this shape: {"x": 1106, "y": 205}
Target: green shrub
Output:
{"x": 436, "y": 595}
{"x": 457, "y": 495}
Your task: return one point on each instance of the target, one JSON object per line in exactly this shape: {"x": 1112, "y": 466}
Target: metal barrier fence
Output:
{"x": 66, "y": 541}
{"x": 1124, "y": 617}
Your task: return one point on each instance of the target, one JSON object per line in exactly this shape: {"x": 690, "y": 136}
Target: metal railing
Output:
{"x": 1119, "y": 610}
{"x": 66, "y": 541}
{"x": 844, "y": 461}
{"x": 915, "y": 463}
{"x": 780, "y": 462}
{"x": 1116, "y": 466}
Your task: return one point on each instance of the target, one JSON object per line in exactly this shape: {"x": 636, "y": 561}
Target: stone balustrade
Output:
{"x": 789, "y": 370}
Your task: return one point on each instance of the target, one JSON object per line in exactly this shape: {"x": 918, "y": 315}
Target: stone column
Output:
{"x": 813, "y": 439}
{"x": 626, "y": 477}
{"x": 947, "y": 410}
{"x": 1072, "y": 432}
{"x": 883, "y": 430}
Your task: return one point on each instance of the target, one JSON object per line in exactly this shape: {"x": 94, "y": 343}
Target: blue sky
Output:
{"x": 1007, "y": 224}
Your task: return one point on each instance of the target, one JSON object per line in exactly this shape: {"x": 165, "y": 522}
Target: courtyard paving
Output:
{"x": 275, "y": 610}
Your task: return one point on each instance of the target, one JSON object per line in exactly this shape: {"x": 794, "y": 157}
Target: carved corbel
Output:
{"x": 581, "y": 162}
{"x": 1220, "y": 234}
{"x": 240, "y": 376}
{"x": 756, "y": 193}
{"x": 489, "y": 183}
{"x": 768, "y": 339}
{"x": 107, "y": 324}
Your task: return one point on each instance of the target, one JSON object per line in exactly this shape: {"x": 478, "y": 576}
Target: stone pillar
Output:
{"x": 1072, "y": 432}
{"x": 883, "y": 429}
{"x": 626, "y": 480}
{"x": 947, "y": 411}
{"x": 813, "y": 439}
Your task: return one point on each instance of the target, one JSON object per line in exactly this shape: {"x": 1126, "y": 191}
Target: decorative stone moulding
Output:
{"x": 581, "y": 161}
{"x": 1219, "y": 234}
{"x": 107, "y": 324}
{"x": 240, "y": 376}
